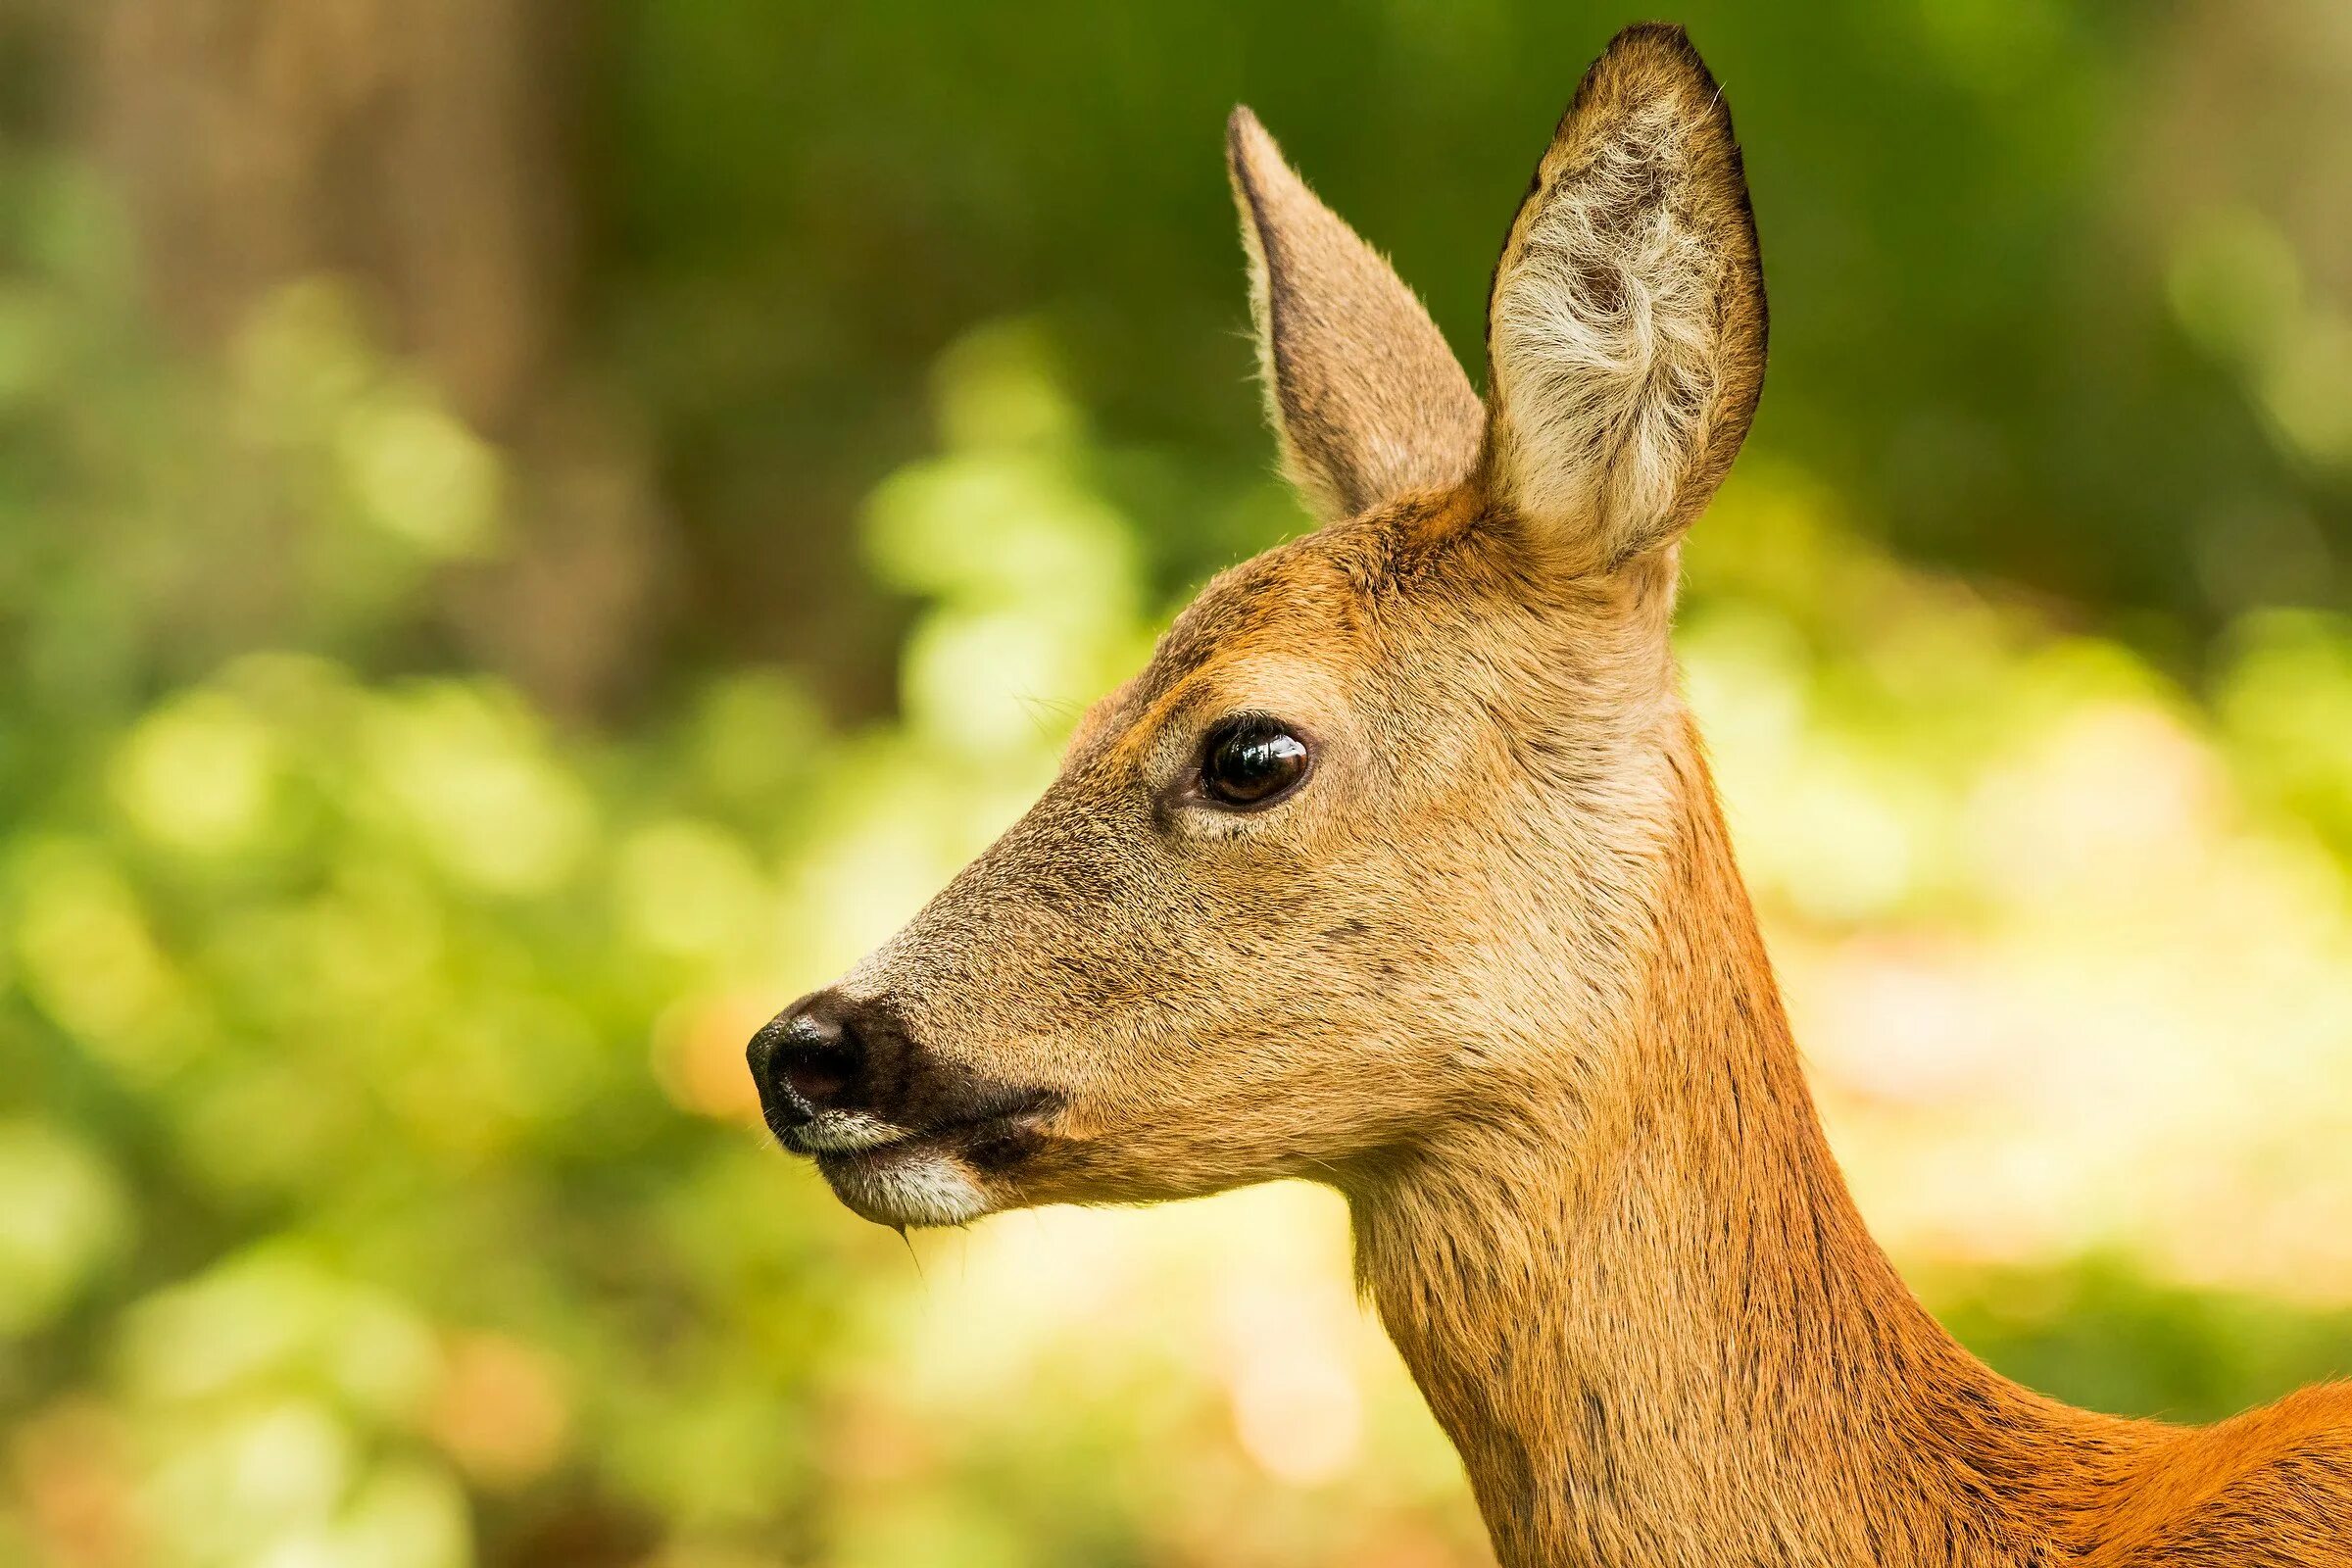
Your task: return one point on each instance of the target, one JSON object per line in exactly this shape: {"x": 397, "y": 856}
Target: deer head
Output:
{"x": 1367, "y": 849}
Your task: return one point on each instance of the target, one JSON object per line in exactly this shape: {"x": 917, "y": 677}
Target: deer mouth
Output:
{"x": 903, "y": 1135}
{"x": 938, "y": 1175}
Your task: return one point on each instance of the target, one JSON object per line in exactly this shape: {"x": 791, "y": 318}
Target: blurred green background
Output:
{"x": 531, "y": 532}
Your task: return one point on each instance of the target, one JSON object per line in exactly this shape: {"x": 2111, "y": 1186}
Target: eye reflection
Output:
{"x": 1250, "y": 760}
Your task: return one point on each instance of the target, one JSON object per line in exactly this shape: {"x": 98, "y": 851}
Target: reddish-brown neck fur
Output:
{"x": 1653, "y": 1322}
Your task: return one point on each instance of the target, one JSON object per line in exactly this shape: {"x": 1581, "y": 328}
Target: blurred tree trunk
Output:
{"x": 419, "y": 144}
{"x": 426, "y": 149}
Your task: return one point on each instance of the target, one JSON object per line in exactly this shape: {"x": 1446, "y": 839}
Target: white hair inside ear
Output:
{"x": 1627, "y": 325}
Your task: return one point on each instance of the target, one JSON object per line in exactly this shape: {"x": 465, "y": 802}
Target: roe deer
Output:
{"x": 1398, "y": 867}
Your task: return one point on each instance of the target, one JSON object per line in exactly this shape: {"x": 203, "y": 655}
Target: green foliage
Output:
{"x": 2053, "y": 287}
{"x": 2100, "y": 1335}
{"x": 378, "y": 1183}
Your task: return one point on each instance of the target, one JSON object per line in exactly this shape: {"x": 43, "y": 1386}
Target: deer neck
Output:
{"x": 1650, "y": 1315}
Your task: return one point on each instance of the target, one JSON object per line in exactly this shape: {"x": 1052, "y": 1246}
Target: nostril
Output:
{"x": 822, "y": 1076}
{"x": 809, "y": 1059}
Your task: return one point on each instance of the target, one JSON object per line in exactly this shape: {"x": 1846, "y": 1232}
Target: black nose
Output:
{"x": 816, "y": 1055}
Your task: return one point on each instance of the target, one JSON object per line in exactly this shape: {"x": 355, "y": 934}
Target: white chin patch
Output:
{"x": 846, "y": 1130}
{"x": 914, "y": 1186}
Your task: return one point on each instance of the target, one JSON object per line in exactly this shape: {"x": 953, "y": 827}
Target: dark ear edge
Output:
{"x": 1366, "y": 400}
{"x": 1627, "y": 323}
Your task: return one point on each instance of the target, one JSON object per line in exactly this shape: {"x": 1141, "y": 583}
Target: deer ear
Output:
{"x": 1365, "y": 397}
{"x": 1626, "y": 330}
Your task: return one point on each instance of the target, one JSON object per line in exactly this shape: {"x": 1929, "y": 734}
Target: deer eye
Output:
{"x": 1251, "y": 760}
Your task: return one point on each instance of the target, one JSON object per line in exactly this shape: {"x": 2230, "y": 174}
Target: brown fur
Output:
{"x": 1366, "y": 400}
{"x": 1491, "y": 971}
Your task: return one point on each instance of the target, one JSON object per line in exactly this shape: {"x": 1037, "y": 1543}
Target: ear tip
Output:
{"x": 1668, "y": 35}
{"x": 1245, "y": 139}
{"x": 1659, "y": 57}
{"x": 1665, "y": 42}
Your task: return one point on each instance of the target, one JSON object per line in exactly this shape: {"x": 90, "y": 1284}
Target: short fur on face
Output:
{"x": 1222, "y": 997}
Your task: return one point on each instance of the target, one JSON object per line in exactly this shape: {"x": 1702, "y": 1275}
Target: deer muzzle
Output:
{"x": 905, "y": 1136}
